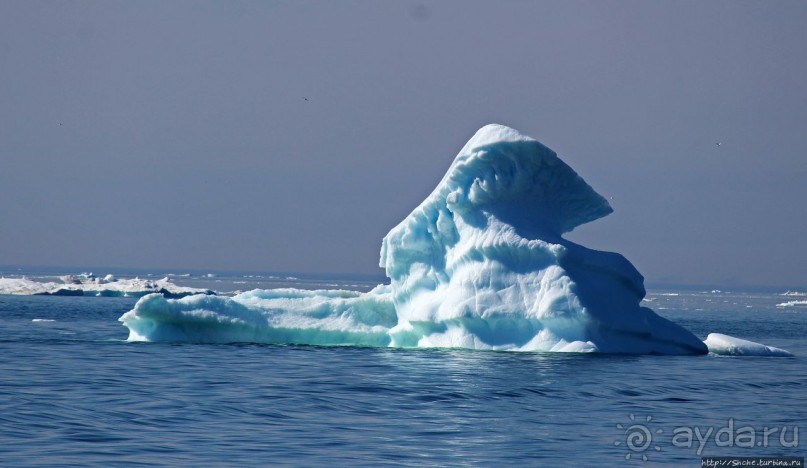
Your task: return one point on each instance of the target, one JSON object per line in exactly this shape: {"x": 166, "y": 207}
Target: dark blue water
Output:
{"x": 72, "y": 392}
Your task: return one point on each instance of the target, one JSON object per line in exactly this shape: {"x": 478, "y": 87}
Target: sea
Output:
{"x": 73, "y": 392}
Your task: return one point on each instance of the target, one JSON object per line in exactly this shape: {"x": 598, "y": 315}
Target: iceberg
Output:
{"x": 481, "y": 264}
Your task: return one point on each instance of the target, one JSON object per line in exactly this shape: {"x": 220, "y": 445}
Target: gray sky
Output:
{"x": 176, "y": 134}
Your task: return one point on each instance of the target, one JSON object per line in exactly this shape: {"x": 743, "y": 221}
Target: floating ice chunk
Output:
{"x": 25, "y": 286}
{"x": 731, "y": 346}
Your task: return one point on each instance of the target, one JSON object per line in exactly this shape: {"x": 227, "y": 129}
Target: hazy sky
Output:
{"x": 175, "y": 135}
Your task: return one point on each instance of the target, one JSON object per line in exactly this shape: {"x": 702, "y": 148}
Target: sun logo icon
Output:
{"x": 638, "y": 437}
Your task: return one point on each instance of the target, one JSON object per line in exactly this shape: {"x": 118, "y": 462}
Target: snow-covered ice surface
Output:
{"x": 731, "y": 346}
{"x": 481, "y": 264}
{"x": 89, "y": 285}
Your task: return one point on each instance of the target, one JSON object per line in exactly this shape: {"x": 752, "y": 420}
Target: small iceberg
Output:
{"x": 726, "y": 345}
